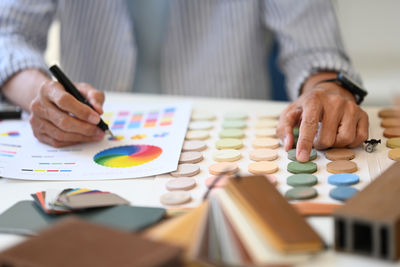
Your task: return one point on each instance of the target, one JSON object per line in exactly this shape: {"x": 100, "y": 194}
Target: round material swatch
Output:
{"x": 186, "y": 169}
{"x": 197, "y": 135}
{"x": 229, "y": 143}
{"x": 200, "y": 125}
{"x": 263, "y": 167}
{"x": 194, "y": 145}
{"x": 227, "y": 155}
{"x": 221, "y": 182}
{"x": 292, "y": 154}
{"x": 296, "y": 131}
{"x": 390, "y": 122}
{"x": 391, "y": 132}
{"x": 235, "y": 116}
{"x": 175, "y": 198}
{"x": 393, "y": 142}
{"x": 394, "y": 154}
{"x": 190, "y": 157}
{"x": 234, "y": 124}
{"x": 340, "y": 154}
{"x": 302, "y": 179}
{"x": 223, "y": 167}
{"x": 266, "y": 124}
{"x": 298, "y": 167}
{"x": 342, "y": 193}
{"x": 343, "y": 179}
{"x": 265, "y": 132}
{"x": 341, "y": 166}
{"x": 180, "y": 184}
{"x": 269, "y": 116}
{"x": 202, "y": 116}
{"x": 300, "y": 193}
{"x": 389, "y": 113}
{"x": 265, "y": 143}
{"x": 231, "y": 133}
{"x": 263, "y": 154}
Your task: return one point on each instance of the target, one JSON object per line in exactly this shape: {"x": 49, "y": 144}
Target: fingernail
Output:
{"x": 95, "y": 119}
{"x": 303, "y": 156}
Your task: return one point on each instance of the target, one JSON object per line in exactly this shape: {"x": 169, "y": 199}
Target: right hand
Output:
{"x": 58, "y": 119}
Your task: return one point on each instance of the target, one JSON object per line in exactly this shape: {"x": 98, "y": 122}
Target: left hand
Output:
{"x": 343, "y": 122}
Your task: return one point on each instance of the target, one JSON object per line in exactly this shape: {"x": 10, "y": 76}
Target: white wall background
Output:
{"x": 371, "y": 33}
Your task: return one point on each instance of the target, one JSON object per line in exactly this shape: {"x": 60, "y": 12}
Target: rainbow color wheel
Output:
{"x": 127, "y": 156}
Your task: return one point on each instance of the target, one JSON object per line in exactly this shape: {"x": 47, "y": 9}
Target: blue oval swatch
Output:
{"x": 342, "y": 179}
{"x": 342, "y": 193}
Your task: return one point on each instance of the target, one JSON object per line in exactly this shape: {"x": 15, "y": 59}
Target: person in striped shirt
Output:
{"x": 189, "y": 47}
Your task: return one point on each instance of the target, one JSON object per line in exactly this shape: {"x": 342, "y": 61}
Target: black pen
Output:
{"x": 70, "y": 88}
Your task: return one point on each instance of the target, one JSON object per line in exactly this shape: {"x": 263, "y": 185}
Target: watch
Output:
{"x": 350, "y": 85}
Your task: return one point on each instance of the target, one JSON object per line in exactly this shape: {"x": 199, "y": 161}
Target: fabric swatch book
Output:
{"x": 246, "y": 222}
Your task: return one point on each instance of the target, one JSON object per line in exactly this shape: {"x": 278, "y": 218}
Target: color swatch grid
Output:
{"x": 10, "y": 134}
{"x": 138, "y": 119}
{"x": 167, "y": 117}
{"x": 8, "y": 150}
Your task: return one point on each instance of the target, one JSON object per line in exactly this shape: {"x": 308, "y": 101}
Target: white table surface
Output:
{"x": 141, "y": 192}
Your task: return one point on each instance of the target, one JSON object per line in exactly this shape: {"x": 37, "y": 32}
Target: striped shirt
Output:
{"x": 212, "y": 48}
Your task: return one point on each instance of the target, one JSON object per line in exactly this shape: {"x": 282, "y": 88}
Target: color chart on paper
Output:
{"x": 147, "y": 141}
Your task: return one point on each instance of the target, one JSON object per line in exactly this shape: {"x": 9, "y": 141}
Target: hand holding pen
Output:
{"x": 59, "y": 119}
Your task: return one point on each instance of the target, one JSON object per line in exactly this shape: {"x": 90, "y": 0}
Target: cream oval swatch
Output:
{"x": 190, "y": 157}
{"x": 227, "y": 155}
{"x": 202, "y": 116}
{"x": 175, "y": 198}
{"x": 266, "y": 124}
{"x": 194, "y": 145}
{"x": 180, "y": 184}
{"x": 263, "y": 167}
{"x": 265, "y": 142}
{"x": 223, "y": 168}
{"x": 263, "y": 154}
{"x": 197, "y": 135}
{"x": 200, "y": 125}
{"x": 265, "y": 132}
{"x": 186, "y": 169}
{"x": 394, "y": 154}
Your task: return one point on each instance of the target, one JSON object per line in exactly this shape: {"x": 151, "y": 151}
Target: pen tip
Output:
{"x": 110, "y": 133}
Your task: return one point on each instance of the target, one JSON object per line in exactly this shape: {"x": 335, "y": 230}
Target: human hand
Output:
{"x": 343, "y": 122}
{"x": 58, "y": 119}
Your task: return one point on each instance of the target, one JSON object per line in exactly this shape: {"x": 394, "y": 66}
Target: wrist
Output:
{"x": 319, "y": 81}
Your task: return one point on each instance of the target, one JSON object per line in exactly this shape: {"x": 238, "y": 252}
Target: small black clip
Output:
{"x": 371, "y": 144}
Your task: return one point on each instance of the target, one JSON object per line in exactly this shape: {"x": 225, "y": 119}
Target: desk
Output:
{"x": 141, "y": 192}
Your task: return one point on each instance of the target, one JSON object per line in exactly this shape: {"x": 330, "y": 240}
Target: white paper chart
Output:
{"x": 148, "y": 140}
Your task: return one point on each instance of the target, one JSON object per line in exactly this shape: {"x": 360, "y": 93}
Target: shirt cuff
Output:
{"x": 17, "y": 56}
{"x": 299, "y": 68}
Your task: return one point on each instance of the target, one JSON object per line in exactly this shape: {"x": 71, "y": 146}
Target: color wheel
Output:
{"x": 127, "y": 156}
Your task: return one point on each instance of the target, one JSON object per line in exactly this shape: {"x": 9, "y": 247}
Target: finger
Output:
{"x": 331, "y": 118}
{"x": 288, "y": 120}
{"x": 95, "y": 97}
{"x": 44, "y": 138}
{"x": 362, "y": 130}
{"x": 48, "y": 111}
{"x": 42, "y": 126}
{"x": 311, "y": 114}
{"x": 56, "y": 94}
{"x": 347, "y": 130}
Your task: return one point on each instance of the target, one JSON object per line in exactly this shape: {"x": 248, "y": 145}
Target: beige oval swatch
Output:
{"x": 180, "y": 184}
{"x": 194, "y": 145}
{"x": 227, "y": 155}
{"x": 175, "y": 198}
{"x": 340, "y": 154}
{"x": 186, "y": 169}
{"x": 223, "y": 168}
{"x": 263, "y": 167}
{"x": 190, "y": 157}
{"x": 341, "y": 166}
{"x": 263, "y": 154}
{"x": 265, "y": 143}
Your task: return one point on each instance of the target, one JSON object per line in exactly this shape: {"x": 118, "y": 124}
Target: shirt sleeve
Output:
{"x": 309, "y": 37}
{"x": 24, "y": 25}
